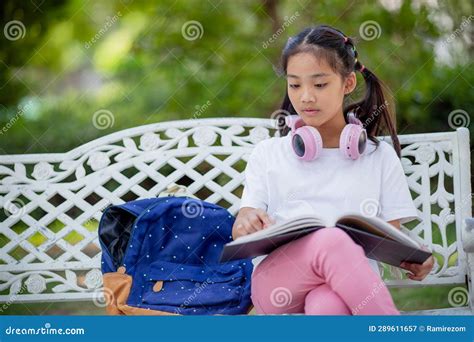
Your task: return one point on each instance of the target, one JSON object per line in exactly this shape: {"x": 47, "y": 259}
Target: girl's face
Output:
{"x": 316, "y": 91}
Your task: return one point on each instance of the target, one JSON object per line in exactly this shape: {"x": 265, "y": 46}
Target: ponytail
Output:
{"x": 374, "y": 110}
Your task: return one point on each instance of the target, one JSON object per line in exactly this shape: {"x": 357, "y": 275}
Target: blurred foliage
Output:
{"x": 132, "y": 59}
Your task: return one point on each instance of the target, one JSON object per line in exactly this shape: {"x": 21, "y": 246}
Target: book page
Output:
{"x": 296, "y": 223}
{"x": 377, "y": 226}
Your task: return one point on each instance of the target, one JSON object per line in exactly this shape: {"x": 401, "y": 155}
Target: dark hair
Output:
{"x": 374, "y": 111}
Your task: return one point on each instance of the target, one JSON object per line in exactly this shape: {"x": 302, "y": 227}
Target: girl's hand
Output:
{"x": 250, "y": 220}
{"x": 419, "y": 271}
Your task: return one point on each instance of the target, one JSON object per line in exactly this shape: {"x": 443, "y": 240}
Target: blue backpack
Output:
{"x": 161, "y": 256}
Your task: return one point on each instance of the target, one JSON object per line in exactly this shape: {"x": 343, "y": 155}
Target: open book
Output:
{"x": 380, "y": 240}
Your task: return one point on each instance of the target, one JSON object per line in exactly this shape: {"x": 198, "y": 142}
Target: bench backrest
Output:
{"x": 52, "y": 203}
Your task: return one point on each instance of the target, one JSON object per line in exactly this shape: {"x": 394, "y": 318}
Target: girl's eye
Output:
{"x": 294, "y": 86}
{"x": 321, "y": 85}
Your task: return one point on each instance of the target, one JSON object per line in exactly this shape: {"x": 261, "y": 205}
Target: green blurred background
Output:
{"x": 152, "y": 61}
{"x": 143, "y": 70}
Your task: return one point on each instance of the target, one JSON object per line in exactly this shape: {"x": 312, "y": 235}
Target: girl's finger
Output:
{"x": 415, "y": 268}
{"x": 241, "y": 230}
{"x": 248, "y": 227}
{"x": 416, "y": 277}
{"x": 422, "y": 273}
{"x": 256, "y": 223}
{"x": 264, "y": 217}
{"x": 409, "y": 266}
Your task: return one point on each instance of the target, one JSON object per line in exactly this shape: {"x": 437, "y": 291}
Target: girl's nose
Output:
{"x": 307, "y": 96}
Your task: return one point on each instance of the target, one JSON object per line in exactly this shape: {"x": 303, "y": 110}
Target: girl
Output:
{"x": 325, "y": 272}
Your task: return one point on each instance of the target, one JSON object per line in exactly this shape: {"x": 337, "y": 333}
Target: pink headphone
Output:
{"x": 307, "y": 142}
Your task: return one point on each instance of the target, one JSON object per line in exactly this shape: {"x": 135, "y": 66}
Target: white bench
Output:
{"x": 52, "y": 202}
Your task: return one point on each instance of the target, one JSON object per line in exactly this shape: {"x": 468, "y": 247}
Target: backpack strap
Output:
{"x": 176, "y": 190}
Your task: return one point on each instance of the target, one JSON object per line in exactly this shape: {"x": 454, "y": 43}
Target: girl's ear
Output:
{"x": 350, "y": 83}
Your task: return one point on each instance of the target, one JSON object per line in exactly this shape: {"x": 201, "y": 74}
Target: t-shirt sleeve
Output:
{"x": 396, "y": 202}
{"x": 255, "y": 193}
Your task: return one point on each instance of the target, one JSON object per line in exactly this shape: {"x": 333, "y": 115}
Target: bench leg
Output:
{"x": 470, "y": 280}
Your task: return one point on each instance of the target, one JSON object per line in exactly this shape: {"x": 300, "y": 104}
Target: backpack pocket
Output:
{"x": 188, "y": 286}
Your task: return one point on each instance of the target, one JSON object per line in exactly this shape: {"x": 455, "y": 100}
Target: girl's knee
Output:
{"x": 324, "y": 301}
{"x": 274, "y": 301}
{"x": 270, "y": 296}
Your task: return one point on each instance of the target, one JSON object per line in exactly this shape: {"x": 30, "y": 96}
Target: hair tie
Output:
{"x": 345, "y": 40}
{"x": 362, "y": 68}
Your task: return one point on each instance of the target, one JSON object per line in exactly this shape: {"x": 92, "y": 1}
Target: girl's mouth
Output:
{"x": 311, "y": 111}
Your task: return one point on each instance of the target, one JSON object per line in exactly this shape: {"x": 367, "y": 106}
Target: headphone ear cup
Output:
{"x": 353, "y": 141}
{"x": 307, "y": 143}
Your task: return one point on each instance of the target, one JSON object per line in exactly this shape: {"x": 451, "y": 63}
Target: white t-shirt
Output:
{"x": 284, "y": 186}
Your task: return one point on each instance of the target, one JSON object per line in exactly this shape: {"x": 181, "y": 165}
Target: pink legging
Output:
{"x": 322, "y": 273}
